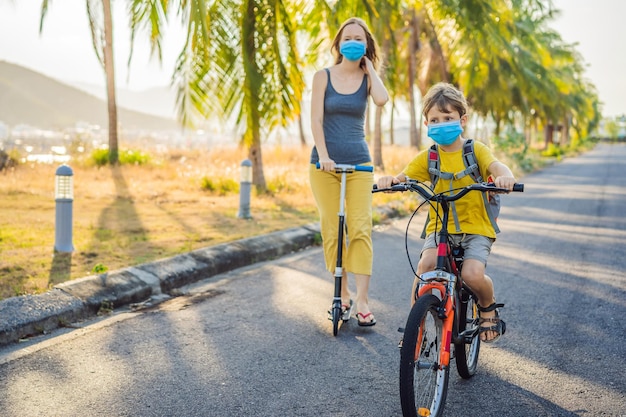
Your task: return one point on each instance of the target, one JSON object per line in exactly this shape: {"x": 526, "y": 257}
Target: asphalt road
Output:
{"x": 256, "y": 341}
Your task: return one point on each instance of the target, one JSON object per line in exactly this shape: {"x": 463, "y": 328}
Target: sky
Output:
{"x": 64, "y": 50}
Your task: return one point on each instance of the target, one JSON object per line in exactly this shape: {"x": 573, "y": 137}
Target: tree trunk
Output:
{"x": 255, "y": 156}
{"x": 414, "y": 138}
{"x": 565, "y": 131}
{"x": 109, "y": 70}
{"x": 252, "y": 81}
{"x": 548, "y": 135}
{"x": 392, "y": 138}
{"x": 301, "y": 128}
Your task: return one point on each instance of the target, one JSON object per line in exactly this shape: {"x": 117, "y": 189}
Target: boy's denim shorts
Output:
{"x": 475, "y": 246}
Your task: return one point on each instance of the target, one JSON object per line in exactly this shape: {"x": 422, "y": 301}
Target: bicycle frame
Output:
{"x": 443, "y": 284}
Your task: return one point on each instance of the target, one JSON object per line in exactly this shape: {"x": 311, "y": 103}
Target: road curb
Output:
{"x": 31, "y": 315}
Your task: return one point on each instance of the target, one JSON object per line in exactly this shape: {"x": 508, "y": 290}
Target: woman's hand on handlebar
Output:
{"x": 387, "y": 181}
{"x": 326, "y": 164}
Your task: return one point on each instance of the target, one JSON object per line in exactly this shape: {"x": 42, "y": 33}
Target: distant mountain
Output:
{"x": 156, "y": 101}
{"x": 31, "y": 98}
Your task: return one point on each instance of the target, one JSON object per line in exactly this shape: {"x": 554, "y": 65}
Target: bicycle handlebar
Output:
{"x": 416, "y": 186}
{"x": 339, "y": 168}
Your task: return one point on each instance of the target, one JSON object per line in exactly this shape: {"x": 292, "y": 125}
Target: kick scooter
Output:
{"x": 335, "y": 313}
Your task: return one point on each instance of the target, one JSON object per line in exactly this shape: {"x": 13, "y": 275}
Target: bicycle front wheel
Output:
{"x": 423, "y": 380}
{"x": 467, "y": 343}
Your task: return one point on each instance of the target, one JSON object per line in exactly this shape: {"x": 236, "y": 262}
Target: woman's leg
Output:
{"x": 326, "y": 190}
{"x": 359, "y": 259}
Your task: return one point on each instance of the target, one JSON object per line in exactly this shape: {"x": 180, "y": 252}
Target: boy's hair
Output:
{"x": 371, "y": 46}
{"x": 444, "y": 95}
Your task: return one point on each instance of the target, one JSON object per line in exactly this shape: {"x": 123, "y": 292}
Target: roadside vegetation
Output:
{"x": 163, "y": 204}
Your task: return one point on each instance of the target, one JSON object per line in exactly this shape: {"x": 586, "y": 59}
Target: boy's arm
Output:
{"x": 503, "y": 174}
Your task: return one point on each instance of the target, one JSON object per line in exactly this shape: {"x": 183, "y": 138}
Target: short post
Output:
{"x": 244, "y": 190}
{"x": 64, "y": 197}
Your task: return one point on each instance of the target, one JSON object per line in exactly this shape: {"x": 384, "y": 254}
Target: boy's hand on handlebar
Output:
{"x": 505, "y": 182}
{"x": 387, "y": 181}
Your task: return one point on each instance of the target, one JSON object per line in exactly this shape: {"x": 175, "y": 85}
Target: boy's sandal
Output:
{"x": 499, "y": 327}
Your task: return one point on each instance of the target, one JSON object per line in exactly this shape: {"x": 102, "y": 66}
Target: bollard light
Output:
{"x": 244, "y": 190}
{"x": 64, "y": 183}
{"x": 64, "y": 197}
{"x": 246, "y": 171}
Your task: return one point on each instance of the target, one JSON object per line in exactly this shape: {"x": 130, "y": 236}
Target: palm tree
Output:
{"x": 240, "y": 58}
{"x": 101, "y": 24}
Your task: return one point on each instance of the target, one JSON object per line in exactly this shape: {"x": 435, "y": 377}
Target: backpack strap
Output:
{"x": 433, "y": 166}
{"x": 434, "y": 169}
{"x": 435, "y": 172}
{"x": 469, "y": 158}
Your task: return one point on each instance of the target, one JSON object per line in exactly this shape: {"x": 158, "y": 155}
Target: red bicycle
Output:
{"x": 445, "y": 314}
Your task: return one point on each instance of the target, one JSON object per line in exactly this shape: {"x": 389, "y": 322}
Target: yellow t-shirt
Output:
{"x": 471, "y": 211}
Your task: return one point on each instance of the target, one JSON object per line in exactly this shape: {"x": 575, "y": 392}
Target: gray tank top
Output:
{"x": 344, "y": 125}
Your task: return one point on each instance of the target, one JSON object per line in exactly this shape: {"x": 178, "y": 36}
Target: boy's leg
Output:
{"x": 477, "y": 249}
{"x": 428, "y": 261}
{"x": 482, "y": 285}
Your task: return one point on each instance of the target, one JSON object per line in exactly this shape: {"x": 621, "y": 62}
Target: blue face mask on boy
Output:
{"x": 352, "y": 50}
{"x": 445, "y": 133}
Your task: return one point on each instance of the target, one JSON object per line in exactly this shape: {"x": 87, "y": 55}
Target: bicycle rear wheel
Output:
{"x": 423, "y": 381}
{"x": 467, "y": 344}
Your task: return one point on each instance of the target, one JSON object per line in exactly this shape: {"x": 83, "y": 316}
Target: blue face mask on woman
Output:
{"x": 445, "y": 133}
{"x": 352, "y": 50}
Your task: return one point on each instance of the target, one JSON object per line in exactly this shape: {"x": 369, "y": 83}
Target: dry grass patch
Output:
{"x": 129, "y": 215}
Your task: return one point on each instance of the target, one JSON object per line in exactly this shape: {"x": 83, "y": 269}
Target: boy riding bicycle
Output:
{"x": 470, "y": 226}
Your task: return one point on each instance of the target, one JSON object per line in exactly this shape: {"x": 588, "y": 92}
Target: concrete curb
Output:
{"x": 75, "y": 300}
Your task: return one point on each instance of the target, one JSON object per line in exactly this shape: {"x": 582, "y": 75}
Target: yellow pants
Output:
{"x": 326, "y": 186}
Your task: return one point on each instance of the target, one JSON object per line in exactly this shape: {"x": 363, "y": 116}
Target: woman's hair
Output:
{"x": 371, "y": 46}
{"x": 444, "y": 95}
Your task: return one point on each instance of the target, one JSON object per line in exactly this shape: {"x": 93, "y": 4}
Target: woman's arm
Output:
{"x": 377, "y": 88}
{"x": 320, "y": 80}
